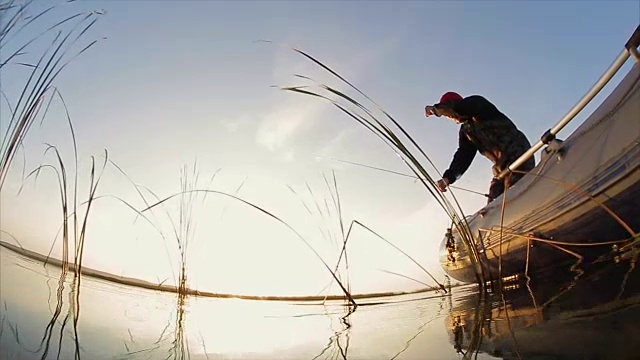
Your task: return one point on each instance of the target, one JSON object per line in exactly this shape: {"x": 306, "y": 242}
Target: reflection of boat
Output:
{"x": 560, "y": 199}
{"x": 588, "y": 321}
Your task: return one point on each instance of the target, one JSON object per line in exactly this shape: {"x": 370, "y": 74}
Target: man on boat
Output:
{"x": 486, "y": 130}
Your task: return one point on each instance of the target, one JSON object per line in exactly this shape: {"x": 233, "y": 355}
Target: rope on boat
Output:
{"x": 564, "y": 243}
{"x": 574, "y": 188}
{"x": 507, "y": 181}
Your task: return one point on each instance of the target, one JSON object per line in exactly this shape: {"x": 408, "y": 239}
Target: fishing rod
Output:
{"x": 398, "y": 173}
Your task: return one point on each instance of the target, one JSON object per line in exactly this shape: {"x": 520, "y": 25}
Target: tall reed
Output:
{"x": 34, "y": 100}
{"x": 331, "y": 219}
{"x": 398, "y": 140}
{"x": 253, "y": 206}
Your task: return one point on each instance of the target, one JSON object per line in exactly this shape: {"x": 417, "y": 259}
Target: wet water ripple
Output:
{"x": 592, "y": 316}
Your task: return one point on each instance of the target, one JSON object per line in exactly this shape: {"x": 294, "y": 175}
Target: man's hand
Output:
{"x": 442, "y": 184}
{"x": 429, "y": 110}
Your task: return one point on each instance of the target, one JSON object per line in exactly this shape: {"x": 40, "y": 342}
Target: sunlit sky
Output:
{"x": 173, "y": 83}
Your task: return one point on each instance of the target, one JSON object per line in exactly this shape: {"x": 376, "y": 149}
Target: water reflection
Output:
{"x": 596, "y": 316}
{"x": 338, "y": 345}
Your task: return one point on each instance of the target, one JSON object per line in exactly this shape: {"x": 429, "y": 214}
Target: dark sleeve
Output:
{"x": 461, "y": 159}
{"x": 471, "y": 106}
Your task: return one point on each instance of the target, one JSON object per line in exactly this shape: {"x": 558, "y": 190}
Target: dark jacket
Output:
{"x": 486, "y": 130}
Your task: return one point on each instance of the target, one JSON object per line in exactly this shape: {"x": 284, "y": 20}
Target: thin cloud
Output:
{"x": 281, "y": 124}
{"x": 233, "y": 125}
{"x": 336, "y": 144}
{"x": 298, "y": 114}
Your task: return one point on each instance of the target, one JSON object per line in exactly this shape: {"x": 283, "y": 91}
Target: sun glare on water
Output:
{"x": 237, "y": 326}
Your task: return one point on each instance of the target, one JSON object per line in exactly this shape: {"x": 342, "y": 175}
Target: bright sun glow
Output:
{"x": 176, "y": 84}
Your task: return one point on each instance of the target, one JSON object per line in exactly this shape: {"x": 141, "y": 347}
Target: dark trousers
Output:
{"x": 497, "y": 186}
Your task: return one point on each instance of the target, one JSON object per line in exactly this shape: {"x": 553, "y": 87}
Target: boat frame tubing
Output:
{"x": 629, "y": 49}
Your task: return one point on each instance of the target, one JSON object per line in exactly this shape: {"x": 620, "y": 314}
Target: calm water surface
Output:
{"x": 595, "y": 317}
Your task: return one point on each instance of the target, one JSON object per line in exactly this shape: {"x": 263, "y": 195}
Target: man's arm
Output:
{"x": 461, "y": 159}
{"x": 471, "y": 106}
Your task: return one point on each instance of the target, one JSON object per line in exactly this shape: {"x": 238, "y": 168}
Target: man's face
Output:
{"x": 450, "y": 114}
{"x": 454, "y": 119}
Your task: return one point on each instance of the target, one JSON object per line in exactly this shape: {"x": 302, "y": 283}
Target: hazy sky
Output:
{"x": 170, "y": 83}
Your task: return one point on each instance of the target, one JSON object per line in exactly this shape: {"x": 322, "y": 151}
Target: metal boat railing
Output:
{"x": 630, "y": 49}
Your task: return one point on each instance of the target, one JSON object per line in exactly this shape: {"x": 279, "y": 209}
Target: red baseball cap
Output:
{"x": 450, "y": 96}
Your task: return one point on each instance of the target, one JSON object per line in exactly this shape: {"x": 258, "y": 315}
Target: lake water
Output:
{"x": 595, "y": 317}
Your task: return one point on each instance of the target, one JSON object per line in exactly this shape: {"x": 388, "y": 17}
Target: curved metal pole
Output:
{"x": 633, "y": 43}
{"x": 550, "y": 134}
{"x": 635, "y": 54}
